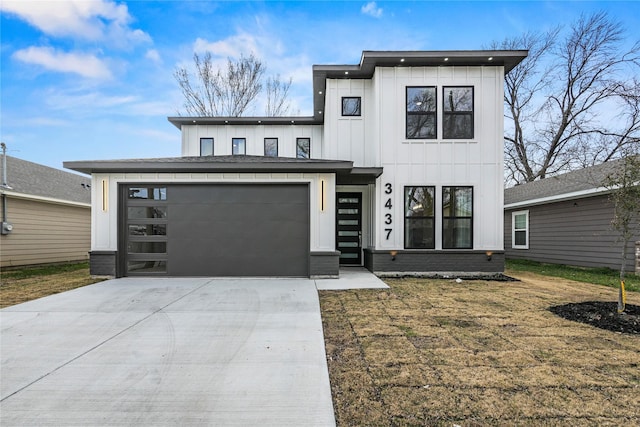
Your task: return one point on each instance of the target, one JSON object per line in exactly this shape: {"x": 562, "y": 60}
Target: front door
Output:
{"x": 349, "y": 228}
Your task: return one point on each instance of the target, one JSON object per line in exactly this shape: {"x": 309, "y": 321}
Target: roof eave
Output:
{"x": 90, "y": 167}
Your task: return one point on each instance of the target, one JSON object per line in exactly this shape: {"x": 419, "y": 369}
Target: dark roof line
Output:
{"x": 364, "y": 70}
{"x": 212, "y": 164}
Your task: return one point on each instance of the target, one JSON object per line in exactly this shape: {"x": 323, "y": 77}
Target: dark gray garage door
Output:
{"x": 219, "y": 230}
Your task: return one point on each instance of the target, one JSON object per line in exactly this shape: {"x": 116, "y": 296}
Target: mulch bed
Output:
{"x": 603, "y": 315}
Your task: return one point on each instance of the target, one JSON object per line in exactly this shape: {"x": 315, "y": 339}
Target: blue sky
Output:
{"x": 93, "y": 79}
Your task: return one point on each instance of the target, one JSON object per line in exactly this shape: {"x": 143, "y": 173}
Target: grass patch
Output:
{"x": 599, "y": 276}
{"x": 25, "y": 284}
{"x": 435, "y": 352}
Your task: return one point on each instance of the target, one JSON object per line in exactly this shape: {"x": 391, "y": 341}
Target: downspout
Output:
{"x": 4, "y": 183}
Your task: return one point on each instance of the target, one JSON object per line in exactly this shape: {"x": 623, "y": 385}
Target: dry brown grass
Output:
{"x": 434, "y": 352}
{"x": 16, "y": 288}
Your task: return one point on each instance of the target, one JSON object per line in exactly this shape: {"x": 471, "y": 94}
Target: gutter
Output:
{"x": 559, "y": 197}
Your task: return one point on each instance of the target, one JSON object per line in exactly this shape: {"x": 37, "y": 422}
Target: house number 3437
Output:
{"x": 388, "y": 218}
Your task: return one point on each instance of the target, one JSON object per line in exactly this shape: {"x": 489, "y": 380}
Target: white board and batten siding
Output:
{"x": 378, "y": 139}
{"x": 254, "y": 135}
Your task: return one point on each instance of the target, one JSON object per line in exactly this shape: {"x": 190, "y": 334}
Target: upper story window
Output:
{"x": 421, "y": 112}
{"x": 520, "y": 230}
{"x": 206, "y": 146}
{"x": 271, "y": 147}
{"x": 419, "y": 217}
{"x": 351, "y": 106}
{"x": 457, "y": 217}
{"x": 303, "y": 148}
{"x": 457, "y": 112}
{"x": 238, "y": 146}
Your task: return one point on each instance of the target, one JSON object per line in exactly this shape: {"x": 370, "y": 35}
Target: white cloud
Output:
{"x": 153, "y": 55}
{"x": 79, "y": 19}
{"x": 83, "y": 64}
{"x": 231, "y": 47}
{"x": 372, "y": 9}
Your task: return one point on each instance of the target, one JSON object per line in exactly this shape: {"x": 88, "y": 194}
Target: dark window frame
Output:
{"x": 298, "y": 156}
{"x": 423, "y": 218}
{"x": 265, "y": 146}
{"x": 244, "y": 144}
{"x": 356, "y": 113}
{"x": 448, "y": 115}
{"x": 212, "y": 145}
{"x": 432, "y": 115}
{"x": 454, "y": 218}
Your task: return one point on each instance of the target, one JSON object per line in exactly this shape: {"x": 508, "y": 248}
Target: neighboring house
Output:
{"x": 399, "y": 170}
{"x": 565, "y": 219}
{"x": 46, "y": 215}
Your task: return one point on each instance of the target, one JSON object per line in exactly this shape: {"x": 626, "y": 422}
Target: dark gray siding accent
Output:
{"x": 428, "y": 261}
{"x": 576, "y": 232}
{"x": 238, "y": 230}
{"x": 324, "y": 264}
{"x": 102, "y": 263}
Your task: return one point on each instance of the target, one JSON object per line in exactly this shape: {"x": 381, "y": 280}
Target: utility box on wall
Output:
{"x": 7, "y": 227}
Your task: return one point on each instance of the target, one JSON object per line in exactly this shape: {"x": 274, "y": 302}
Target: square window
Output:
{"x": 351, "y": 106}
{"x": 457, "y": 217}
{"x": 419, "y": 217}
{"x": 271, "y": 147}
{"x": 206, "y": 146}
{"x": 238, "y": 146}
{"x": 303, "y": 148}
{"x": 421, "y": 113}
{"x": 457, "y": 114}
{"x": 520, "y": 230}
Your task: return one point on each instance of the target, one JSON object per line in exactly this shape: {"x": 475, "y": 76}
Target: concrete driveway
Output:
{"x": 167, "y": 352}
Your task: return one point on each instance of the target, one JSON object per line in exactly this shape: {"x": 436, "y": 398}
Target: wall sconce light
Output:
{"x": 488, "y": 254}
{"x": 323, "y": 197}
{"x": 105, "y": 196}
{"x": 393, "y": 255}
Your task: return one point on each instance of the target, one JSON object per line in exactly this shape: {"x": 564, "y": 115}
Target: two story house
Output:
{"x": 399, "y": 170}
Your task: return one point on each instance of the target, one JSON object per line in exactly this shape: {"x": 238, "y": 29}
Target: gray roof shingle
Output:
{"x": 38, "y": 180}
{"x": 570, "y": 182}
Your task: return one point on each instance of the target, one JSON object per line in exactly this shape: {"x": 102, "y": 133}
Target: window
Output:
{"x": 421, "y": 112}
{"x": 419, "y": 217}
{"x": 206, "y": 146}
{"x": 271, "y": 147}
{"x": 303, "y": 148}
{"x": 351, "y": 105}
{"x": 457, "y": 115}
{"x": 520, "y": 230}
{"x": 457, "y": 217}
{"x": 238, "y": 146}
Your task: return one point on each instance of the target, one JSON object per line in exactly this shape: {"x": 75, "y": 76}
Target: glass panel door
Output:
{"x": 349, "y": 228}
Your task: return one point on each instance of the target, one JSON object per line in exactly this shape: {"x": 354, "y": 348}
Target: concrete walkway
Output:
{"x": 168, "y": 352}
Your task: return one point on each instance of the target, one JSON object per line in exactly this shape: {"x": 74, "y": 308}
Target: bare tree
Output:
{"x": 277, "y": 103}
{"x": 554, "y": 98}
{"x": 625, "y": 195}
{"x": 222, "y": 92}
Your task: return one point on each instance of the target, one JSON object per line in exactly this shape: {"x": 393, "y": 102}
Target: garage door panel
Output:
{"x": 238, "y": 230}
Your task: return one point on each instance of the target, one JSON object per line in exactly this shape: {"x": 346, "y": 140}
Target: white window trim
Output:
{"x": 513, "y": 230}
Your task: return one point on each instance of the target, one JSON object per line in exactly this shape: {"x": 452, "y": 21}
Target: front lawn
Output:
{"x": 476, "y": 353}
{"x": 598, "y": 276}
{"x": 25, "y": 284}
